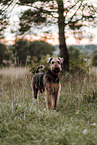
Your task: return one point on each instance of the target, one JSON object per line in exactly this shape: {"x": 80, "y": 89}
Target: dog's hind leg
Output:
{"x": 35, "y": 94}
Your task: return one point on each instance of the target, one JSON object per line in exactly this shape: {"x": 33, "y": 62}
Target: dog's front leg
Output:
{"x": 54, "y": 100}
{"x": 48, "y": 99}
{"x": 55, "y": 96}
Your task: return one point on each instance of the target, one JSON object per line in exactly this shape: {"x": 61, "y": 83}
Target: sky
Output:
{"x": 70, "y": 38}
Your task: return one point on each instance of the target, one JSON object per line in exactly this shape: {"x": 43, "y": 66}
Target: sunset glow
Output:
{"x": 52, "y": 39}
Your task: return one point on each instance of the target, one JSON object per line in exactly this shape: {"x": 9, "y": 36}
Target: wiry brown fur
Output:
{"x": 49, "y": 82}
{"x": 52, "y": 95}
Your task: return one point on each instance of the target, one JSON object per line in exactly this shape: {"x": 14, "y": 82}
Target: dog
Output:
{"x": 48, "y": 82}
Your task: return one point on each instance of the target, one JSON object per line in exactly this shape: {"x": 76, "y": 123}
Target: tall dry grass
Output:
{"x": 23, "y": 121}
{"x": 13, "y": 72}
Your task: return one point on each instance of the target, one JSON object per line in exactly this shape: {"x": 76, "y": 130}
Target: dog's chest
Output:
{"x": 52, "y": 88}
{"x": 51, "y": 78}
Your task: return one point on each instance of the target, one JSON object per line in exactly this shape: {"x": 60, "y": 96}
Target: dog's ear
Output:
{"x": 49, "y": 59}
{"x": 61, "y": 59}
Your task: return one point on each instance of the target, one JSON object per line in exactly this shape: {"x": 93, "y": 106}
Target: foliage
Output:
{"x": 35, "y": 64}
{"x": 87, "y": 49}
{"x": 32, "y": 17}
{"x": 94, "y": 60}
{"x": 3, "y": 22}
{"x": 74, "y": 52}
{"x": 24, "y": 50}
{"x": 79, "y": 65}
{"x": 39, "y": 14}
{"x": 40, "y": 48}
{"x": 23, "y": 121}
{"x": 4, "y": 55}
{"x": 21, "y": 51}
{"x": 78, "y": 62}
{"x": 46, "y": 12}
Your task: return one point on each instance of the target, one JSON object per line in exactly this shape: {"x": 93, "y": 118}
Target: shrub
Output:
{"x": 73, "y": 52}
{"x": 77, "y": 61}
{"x": 76, "y": 65}
{"x": 79, "y": 65}
{"x": 94, "y": 60}
{"x": 35, "y": 64}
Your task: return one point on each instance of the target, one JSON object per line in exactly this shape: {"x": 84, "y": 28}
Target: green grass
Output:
{"x": 24, "y": 122}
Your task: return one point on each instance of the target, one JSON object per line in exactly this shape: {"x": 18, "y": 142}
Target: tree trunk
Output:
{"x": 62, "y": 40}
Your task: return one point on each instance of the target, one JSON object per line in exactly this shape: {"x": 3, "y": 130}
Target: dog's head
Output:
{"x": 55, "y": 64}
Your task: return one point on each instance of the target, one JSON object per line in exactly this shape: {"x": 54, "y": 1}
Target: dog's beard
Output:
{"x": 56, "y": 70}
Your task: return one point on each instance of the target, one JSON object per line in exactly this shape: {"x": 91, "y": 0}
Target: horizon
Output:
{"x": 51, "y": 39}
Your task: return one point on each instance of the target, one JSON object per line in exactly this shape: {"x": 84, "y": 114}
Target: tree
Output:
{"x": 22, "y": 49}
{"x": 3, "y": 19}
{"x": 68, "y": 14}
{"x": 40, "y": 48}
{"x": 4, "y": 55}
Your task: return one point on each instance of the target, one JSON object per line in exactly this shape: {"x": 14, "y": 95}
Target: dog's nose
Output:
{"x": 56, "y": 69}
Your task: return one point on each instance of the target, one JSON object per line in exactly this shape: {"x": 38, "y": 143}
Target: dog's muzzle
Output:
{"x": 56, "y": 70}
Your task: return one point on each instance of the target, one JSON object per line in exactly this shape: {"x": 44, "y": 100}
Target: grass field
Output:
{"x": 24, "y": 122}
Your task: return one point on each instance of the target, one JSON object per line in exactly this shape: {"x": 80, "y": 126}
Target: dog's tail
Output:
{"x": 40, "y": 68}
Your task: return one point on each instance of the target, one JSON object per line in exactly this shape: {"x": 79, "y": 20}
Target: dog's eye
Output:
{"x": 58, "y": 62}
{"x": 53, "y": 62}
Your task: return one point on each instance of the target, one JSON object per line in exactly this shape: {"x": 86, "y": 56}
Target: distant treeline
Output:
{"x": 24, "y": 51}
{"x": 86, "y": 49}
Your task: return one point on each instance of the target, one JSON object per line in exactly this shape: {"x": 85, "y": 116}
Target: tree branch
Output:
{"x": 80, "y": 19}
{"x": 74, "y": 13}
{"x": 68, "y": 9}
